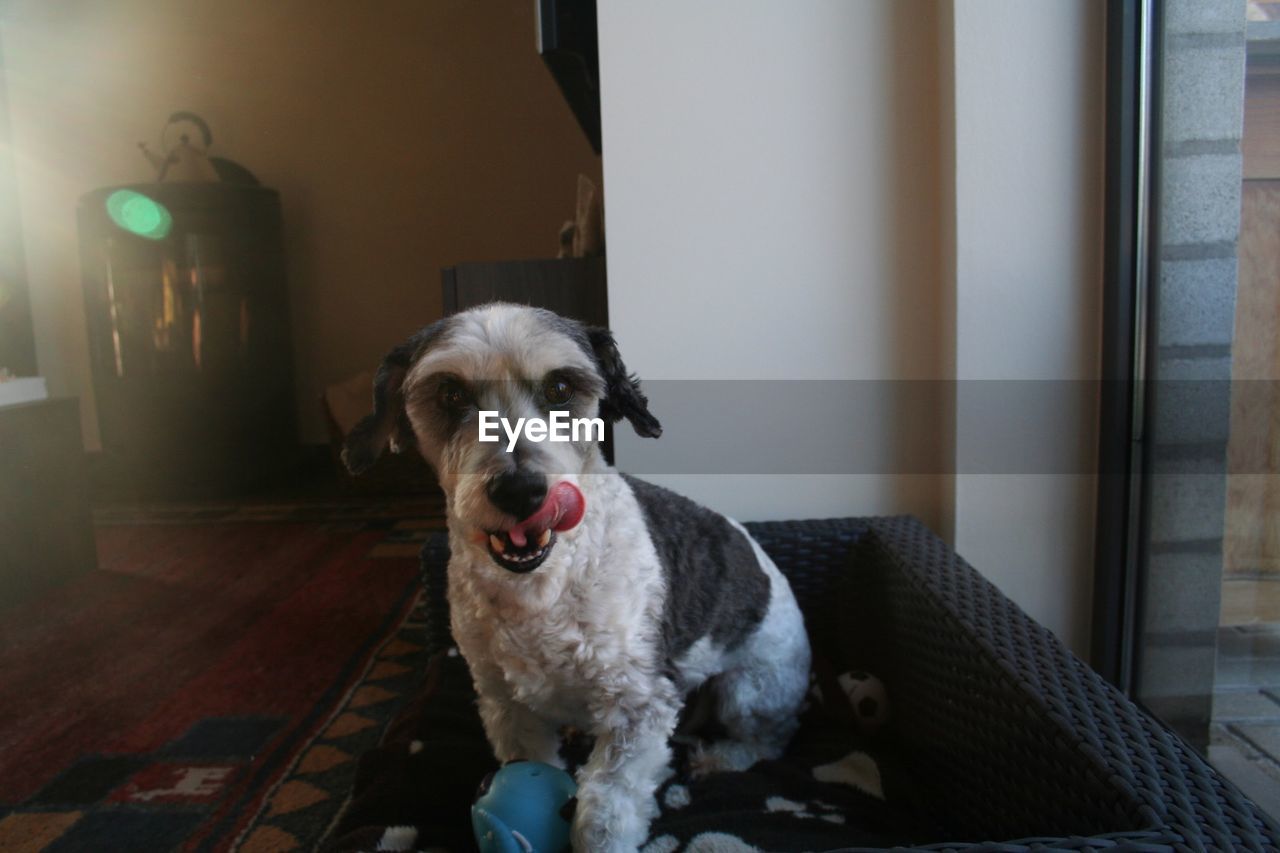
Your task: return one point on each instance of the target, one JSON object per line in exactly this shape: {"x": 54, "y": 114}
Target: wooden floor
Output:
{"x": 1250, "y": 601}
{"x": 1244, "y": 737}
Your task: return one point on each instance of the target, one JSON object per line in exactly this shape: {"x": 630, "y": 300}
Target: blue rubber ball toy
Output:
{"x": 526, "y": 807}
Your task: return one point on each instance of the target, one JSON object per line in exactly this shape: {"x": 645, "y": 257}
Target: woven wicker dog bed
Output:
{"x": 1015, "y": 743}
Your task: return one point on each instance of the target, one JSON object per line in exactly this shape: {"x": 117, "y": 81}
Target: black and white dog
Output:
{"x": 580, "y": 596}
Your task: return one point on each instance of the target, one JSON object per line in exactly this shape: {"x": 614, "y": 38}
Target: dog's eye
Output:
{"x": 453, "y": 395}
{"x": 557, "y": 391}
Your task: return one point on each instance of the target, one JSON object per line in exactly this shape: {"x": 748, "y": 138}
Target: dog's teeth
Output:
{"x": 496, "y": 543}
{"x": 544, "y": 538}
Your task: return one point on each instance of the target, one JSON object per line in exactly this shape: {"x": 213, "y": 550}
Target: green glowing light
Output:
{"x": 137, "y": 214}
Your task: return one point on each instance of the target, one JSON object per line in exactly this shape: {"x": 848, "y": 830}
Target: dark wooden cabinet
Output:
{"x": 572, "y": 287}
{"x": 189, "y": 339}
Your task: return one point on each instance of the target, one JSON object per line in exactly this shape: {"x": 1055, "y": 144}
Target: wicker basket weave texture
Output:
{"x": 1007, "y": 733}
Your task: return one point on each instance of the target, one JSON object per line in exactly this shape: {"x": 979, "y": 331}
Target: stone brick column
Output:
{"x": 1193, "y": 316}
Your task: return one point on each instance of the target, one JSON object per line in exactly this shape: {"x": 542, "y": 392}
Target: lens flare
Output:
{"x": 139, "y": 215}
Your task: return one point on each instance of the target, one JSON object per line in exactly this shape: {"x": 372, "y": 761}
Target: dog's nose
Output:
{"x": 518, "y": 493}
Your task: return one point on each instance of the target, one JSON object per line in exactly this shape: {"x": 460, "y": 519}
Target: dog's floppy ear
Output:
{"x": 388, "y": 424}
{"x": 622, "y": 396}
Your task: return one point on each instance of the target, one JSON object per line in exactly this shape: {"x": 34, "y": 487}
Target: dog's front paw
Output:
{"x": 611, "y": 819}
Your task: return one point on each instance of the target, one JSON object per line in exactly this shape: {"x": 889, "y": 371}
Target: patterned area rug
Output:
{"x": 212, "y": 684}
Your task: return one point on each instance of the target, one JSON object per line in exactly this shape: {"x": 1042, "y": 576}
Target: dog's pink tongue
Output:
{"x": 561, "y": 510}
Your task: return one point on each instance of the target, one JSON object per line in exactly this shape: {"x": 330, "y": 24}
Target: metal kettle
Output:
{"x": 184, "y": 161}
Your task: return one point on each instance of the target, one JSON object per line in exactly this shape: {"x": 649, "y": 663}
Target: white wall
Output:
{"x": 772, "y": 199}
{"x": 870, "y": 190}
{"x": 1029, "y": 92}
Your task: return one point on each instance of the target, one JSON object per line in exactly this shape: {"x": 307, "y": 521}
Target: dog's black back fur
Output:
{"x": 715, "y": 585}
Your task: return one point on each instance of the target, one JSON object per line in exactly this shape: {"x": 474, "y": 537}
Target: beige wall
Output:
{"x": 403, "y": 137}
{"x": 880, "y": 190}
{"x": 1029, "y": 177}
{"x": 775, "y": 206}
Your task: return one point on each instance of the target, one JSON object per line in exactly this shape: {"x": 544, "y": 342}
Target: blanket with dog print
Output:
{"x": 835, "y": 787}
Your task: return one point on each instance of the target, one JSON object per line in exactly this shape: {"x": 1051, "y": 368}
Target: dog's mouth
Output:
{"x": 517, "y": 558}
{"x": 526, "y": 544}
